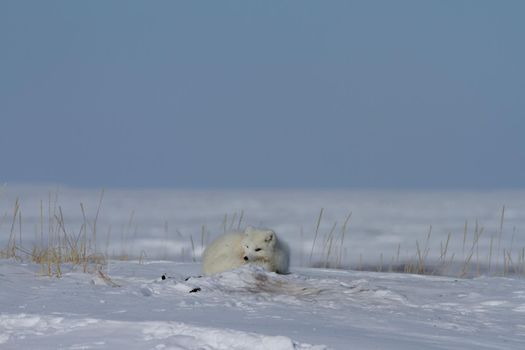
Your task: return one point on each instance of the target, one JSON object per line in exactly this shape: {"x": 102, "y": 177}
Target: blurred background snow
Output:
{"x": 177, "y": 224}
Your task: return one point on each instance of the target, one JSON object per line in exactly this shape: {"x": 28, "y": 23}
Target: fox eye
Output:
{"x": 257, "y": 249}
{"x": 247, "y": 247}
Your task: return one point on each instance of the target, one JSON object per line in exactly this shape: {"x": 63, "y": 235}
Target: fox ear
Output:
{"x": 269, "y": 237}
{"x": 249, "y": 229}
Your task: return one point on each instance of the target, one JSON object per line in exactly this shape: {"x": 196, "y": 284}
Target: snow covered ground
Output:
{"x": 311, "y": 308}
{"x": 249, "y": 308}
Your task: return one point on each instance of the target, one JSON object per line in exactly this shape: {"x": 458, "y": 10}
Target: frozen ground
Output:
{"x": 252, "y": 309}
{"x": 249, "y": 308}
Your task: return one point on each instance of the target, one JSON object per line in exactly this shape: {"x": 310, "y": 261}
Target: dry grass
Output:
{"x": 62, "y": 246}
{"x": 468, "y": 263}
{"x": 56, "y": 245}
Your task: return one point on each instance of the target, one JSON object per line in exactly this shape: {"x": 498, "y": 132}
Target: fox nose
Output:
{"x": 245, "y": 258}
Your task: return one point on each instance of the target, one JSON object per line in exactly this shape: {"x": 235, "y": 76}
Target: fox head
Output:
{"x": 258, "y": 244}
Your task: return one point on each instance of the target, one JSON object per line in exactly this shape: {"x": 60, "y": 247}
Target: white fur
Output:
{"x": 254, "y": 246}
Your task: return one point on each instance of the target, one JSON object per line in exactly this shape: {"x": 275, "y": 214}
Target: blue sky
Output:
{"x": 364, "y": 94}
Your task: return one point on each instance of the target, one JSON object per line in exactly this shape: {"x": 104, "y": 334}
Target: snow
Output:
{"x": 129, "y": 305}
{"x": 250, "y": 308}
{"x": 159, "y": 222}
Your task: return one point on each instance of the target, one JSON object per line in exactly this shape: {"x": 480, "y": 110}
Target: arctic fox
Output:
{"x": 254, "y": 246}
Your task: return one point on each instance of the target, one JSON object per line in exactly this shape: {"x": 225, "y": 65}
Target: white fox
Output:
{"x": 254, "y": 246}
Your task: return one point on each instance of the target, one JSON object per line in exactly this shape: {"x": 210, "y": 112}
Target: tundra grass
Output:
{"x": 56, "y": 245}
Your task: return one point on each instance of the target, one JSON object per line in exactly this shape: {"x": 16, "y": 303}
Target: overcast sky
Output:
{"x": 366, "y": 94}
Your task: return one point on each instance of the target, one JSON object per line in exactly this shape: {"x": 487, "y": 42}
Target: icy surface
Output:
{"x": 249, "y": 308}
